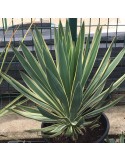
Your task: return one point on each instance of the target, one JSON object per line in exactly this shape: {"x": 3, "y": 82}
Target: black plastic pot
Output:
{"x": 103, "y": 119}
{"x": 106, "y": 124}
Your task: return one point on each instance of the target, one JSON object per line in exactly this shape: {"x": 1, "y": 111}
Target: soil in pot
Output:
{"x": 90, "y": 136}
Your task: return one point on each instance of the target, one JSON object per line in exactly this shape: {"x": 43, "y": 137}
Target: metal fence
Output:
{"x": 111, "y": 27}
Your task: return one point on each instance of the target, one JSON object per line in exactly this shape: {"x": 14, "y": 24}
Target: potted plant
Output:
{"x": 70, "y": 106}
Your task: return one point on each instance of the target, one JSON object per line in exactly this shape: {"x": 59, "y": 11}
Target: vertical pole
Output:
{"x": 73, "y": 27}
{"x": 4, "y": 21}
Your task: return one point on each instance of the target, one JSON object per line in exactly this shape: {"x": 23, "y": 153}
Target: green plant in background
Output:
{"x": 60, "y": 89}
{"x": 12, "y": 104}
{"x": 120, "y": 139}
{"x": 19, "y": 100}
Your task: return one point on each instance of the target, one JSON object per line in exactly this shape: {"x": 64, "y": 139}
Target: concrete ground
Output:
{"x": 116, "y": 117}
{"x": 12, "y": 126}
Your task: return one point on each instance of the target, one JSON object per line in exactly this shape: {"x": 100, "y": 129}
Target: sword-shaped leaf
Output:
{"x": 58, "y": 128}
{"x": 91, "y": 56}
{"x": 26, "y": 92}
{"x": 100, "y": 72}
{"x": 58, "y": 90}
{"x": 27, "y": 108}
{"x": 97, "y": 98}
{"x": 29, "y": 69}
{"x": 113, "y": 64}
{"x": 12, "y": 105}
{"x": 76, "y": 101}
{"x": 33, "y": 62}
{"x": 49, "y": 62}
{"x": 40, "y": 91}
{"x": 39, "y": 52}
{"x": 78, "y": 72}
{"x": 99, "y": 111}
{"x": 63, "y": 69}
{"x": 47, "y": 113}
{"x": 35, "y": 116}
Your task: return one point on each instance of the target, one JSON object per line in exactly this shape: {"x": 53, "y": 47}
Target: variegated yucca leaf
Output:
{"x": 4, "y": 110}
{"x": 60, "y": 88}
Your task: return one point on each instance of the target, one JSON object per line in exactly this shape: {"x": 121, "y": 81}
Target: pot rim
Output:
{"x": 107, "y": 127}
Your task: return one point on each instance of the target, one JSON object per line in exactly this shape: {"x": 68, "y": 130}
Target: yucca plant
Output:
{"x": 60, "y": 88}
